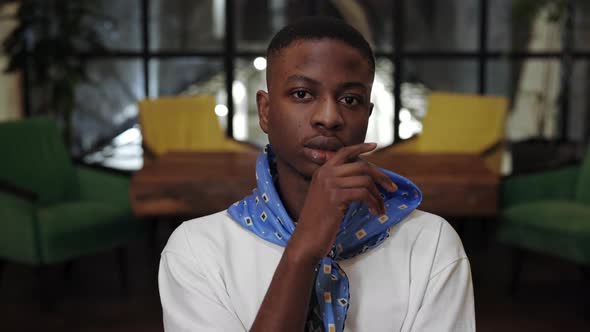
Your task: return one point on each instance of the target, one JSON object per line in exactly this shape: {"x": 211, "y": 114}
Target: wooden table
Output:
{"x": 190, "y": 184}
{"x": 452, "y": 185}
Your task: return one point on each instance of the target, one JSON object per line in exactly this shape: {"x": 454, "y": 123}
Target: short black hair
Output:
{"x": 321, "y": 27}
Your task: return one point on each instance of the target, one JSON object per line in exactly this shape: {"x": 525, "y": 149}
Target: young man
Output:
{"x": 327, "y": 242}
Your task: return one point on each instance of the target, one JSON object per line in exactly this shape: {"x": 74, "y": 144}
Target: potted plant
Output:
{"x": 46, "y": 45}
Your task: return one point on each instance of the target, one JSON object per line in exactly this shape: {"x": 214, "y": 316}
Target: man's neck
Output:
{"x": 292, "y": 188}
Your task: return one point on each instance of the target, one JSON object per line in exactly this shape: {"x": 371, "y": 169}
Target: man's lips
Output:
{"x": 320, "y": 148}
{"x": 324, "y": 143}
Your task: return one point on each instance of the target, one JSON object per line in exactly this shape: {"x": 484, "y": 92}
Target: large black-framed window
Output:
{"x": 397, "y": 42}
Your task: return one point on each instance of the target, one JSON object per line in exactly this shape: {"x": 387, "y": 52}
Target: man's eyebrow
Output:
{"x": 299, "y": 78}
{"x": 352, "y": 85}
{"x": 308, "y": 80}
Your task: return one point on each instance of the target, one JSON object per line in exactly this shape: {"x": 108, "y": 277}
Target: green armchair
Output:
{"x": 52, "y": 211}
{"x": 548, "y": 212}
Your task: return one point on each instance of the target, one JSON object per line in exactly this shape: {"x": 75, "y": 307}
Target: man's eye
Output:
{"x": 350, "y": 100}
{"x": 301, "y": 94}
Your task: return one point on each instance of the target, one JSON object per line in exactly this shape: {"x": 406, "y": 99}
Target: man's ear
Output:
{"x": 371, "y": 105}
{"x": 263, "y": 105}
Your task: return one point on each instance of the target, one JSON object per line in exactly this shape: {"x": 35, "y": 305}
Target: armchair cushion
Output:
{"x": 74, "y": 229}
{"x": 557, "y": 227}
{"x": 557, "y": 184}
{"x": 547, "y": 212}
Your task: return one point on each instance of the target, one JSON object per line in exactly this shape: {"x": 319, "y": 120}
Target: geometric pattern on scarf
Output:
{"x": 263, "y": 214}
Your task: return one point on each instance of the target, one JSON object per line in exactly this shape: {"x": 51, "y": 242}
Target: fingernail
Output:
{"x": 393, "y": 186}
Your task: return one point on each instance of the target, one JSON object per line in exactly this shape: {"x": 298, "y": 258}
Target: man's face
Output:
{"x": 318, "y": 101}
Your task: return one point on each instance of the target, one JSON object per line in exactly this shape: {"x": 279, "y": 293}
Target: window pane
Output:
{"x": 170, "y": 77}
{"x": 533, "y": 86}
{"x": 257, "y": 20}
{"x": 500, "y": 26}
{"x": 380, "y": 19}
{"x": 121, "y": 28}
{"x": 582, "y": 25}
{"x": 380, "y": 129}
{"x": 502, "y": 77}
{"x": 414, "y": 101}
{"x": 194, "y": 76}
{"x": 443, "y": 75}
{"x": 423, "y": 76}
{"x": 579, "y": 117}
{"x": 10, "y": 91}
{"x": 441, "y": 25}
{"x": 187, "y": 25}
{"x": 250, "y": 77}
{"x": 107, "y": 105}
{"x": 523, "y": 25}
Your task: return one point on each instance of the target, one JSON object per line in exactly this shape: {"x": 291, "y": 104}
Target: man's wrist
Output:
{"x": 297, "y": 255}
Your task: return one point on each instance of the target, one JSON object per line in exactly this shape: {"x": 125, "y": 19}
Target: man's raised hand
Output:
{"x": 343, "y": 179}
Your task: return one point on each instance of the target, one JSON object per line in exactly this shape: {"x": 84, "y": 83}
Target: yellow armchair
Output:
{"x": 458, "y": 123}
{"x": 183, "y": 123}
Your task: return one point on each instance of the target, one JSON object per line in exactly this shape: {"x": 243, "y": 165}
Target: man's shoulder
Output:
{"x": 209, "y": 223}
{"x": 198, "y": 233}
{"x": 420, "y": 221}
{"x": 214, "y": 235}
{"x": 431, "y": 235}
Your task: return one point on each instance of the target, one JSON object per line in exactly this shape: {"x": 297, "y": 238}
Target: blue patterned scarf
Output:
{"x": 263, "y": 214}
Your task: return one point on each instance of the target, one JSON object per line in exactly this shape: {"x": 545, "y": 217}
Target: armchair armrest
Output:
{"x": 19, "y": 229}
{"x": 553, "y": 184}
{"x": 101, "y": 168}
{"x": 103, "y": 186}
{"x": 19, "y": 192}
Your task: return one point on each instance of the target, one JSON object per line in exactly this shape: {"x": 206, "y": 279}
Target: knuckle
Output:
{"x": 365, "y": 191}
{"x": 365, "y": 168}
{"x": 355, "y": 194}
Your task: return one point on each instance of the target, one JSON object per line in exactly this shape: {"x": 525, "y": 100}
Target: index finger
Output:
{"x": 350, "y": 152}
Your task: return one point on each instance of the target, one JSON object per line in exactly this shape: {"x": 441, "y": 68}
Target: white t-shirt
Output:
{"x": 214, "y": 274}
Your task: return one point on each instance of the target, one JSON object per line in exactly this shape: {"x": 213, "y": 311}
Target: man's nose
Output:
{"x": 327, "y": 116}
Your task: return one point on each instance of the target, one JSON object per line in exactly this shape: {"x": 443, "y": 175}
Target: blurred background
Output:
{"x": 124, "y": 103}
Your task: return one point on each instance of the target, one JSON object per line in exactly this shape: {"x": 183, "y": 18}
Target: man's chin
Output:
{"x": 307, "y": 172}
{"x": 304, "y": 168}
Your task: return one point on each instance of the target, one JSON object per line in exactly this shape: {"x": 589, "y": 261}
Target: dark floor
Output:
{"x": 551, "y": 297}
